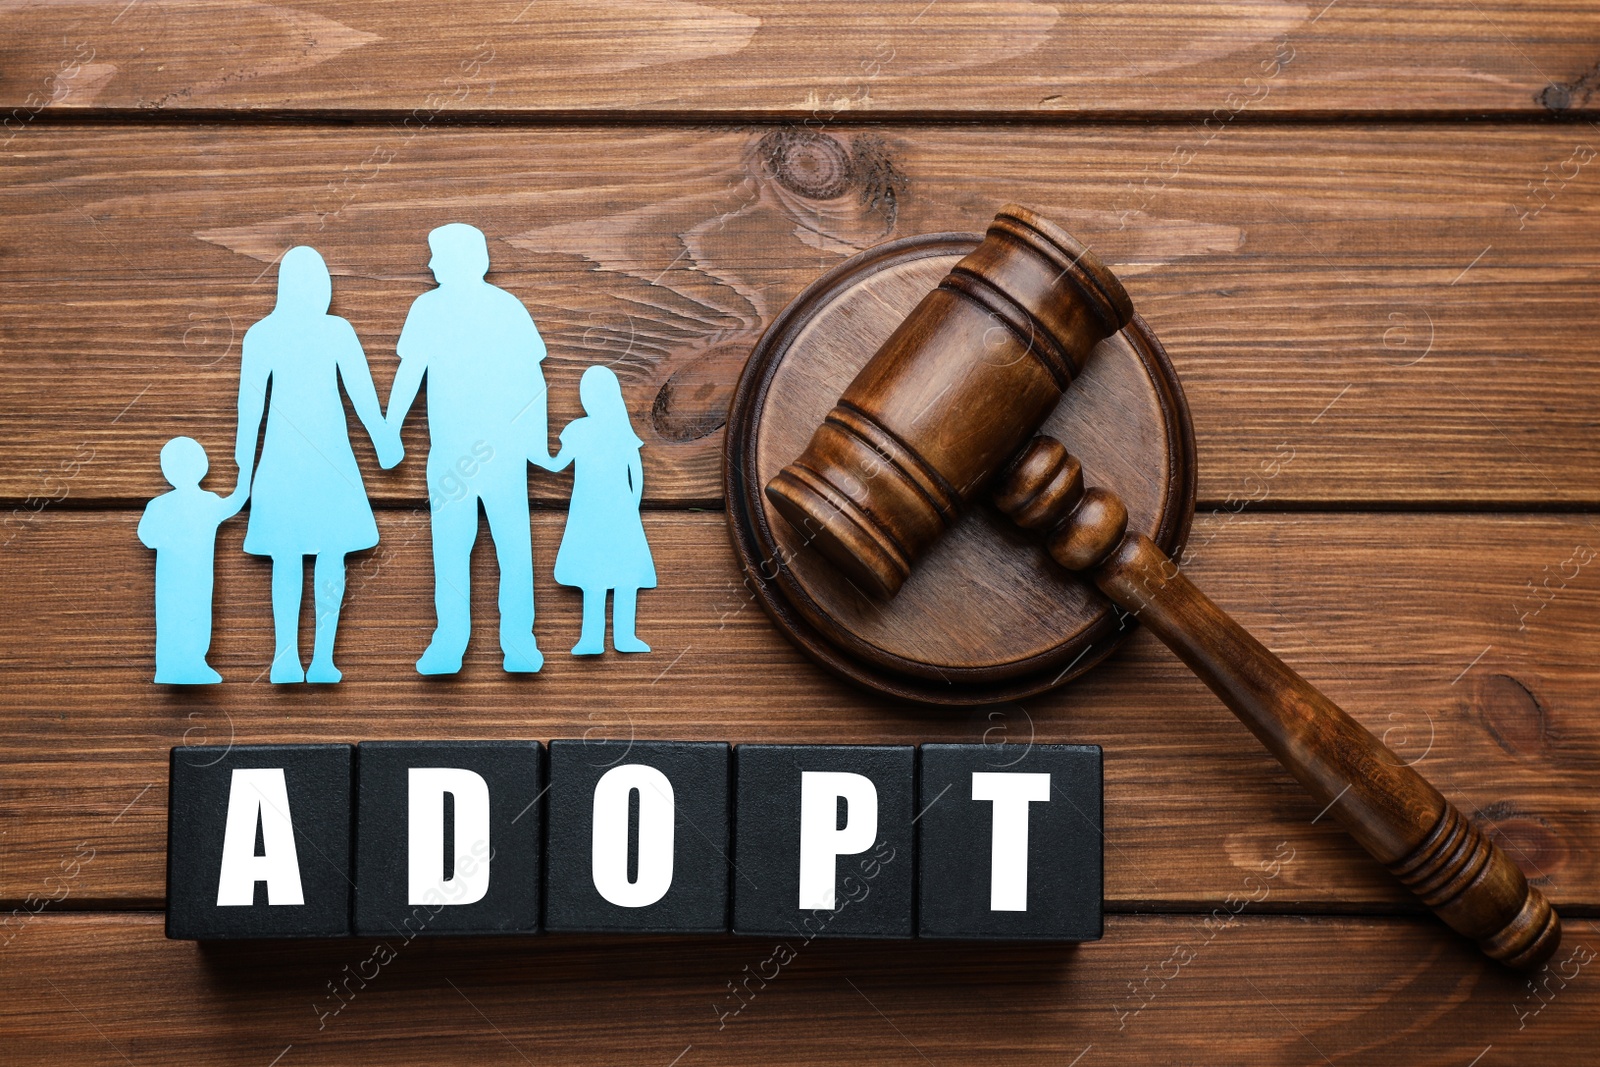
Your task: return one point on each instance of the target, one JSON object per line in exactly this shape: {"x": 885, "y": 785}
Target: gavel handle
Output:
{"x": 1386, "y": 805}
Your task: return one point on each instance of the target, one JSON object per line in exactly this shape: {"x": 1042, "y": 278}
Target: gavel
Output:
{"x": 947, "y": 411}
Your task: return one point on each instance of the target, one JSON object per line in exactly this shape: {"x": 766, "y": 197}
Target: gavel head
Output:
{"x": 958, "y": 388}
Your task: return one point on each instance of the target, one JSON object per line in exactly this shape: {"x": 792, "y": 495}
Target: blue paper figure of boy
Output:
{"x": 182, "y": 527}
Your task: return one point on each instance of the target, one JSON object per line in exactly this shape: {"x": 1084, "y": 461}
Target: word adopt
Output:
{"x": 401, "y": 839}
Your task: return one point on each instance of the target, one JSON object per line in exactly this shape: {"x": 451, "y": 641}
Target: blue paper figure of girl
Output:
{"x": 182, "y": 527}
{"x": 604, "y": 547}
{"x": 306, "y": 496}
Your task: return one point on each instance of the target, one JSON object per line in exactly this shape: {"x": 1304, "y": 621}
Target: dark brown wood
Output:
{"x": 1301, "y": 322}
{"x": 1288, "y": 991}
{"x": 1386, "y": 804}
{"x": 650, "y": 59}
{"x": 1405, "y": 306}
{"x": 1037, "y": 631}
{"x": 926, "y": 425}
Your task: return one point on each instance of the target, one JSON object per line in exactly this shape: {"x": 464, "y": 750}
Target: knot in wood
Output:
{"x": 813, "y": 165}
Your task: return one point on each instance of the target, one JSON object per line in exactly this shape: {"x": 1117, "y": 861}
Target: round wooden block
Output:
{"x": 985, "y": 616}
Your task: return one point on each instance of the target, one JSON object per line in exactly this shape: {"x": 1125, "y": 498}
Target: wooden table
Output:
{"x": 1368, "y": 232}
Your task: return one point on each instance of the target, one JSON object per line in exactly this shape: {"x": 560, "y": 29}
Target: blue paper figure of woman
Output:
{"x": 306, "y": 496}
{"x": 604, "y": 547}
{"x": 182, "y": 527}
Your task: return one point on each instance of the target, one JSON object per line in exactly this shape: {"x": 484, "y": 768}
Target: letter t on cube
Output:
{"x": 1009, "y": 842}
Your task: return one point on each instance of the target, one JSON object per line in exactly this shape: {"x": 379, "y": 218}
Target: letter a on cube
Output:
{"x": 258, "y": 842}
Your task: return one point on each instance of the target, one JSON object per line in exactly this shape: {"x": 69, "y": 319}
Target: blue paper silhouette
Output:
{"x": 182, "y": 527}
{"x": 306, "y": 496}
{"x": 480, "y": 351}
{"x": 604, "y": 547}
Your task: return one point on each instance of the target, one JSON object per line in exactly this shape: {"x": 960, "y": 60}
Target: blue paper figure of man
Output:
{"x": 604, "y": 547}
{"x": 480, "y": 352}
{"x": 182, "y": 527}
{"x": 306, "y": 496}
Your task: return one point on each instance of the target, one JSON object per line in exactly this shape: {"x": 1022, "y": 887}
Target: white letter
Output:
{"x": 259, "y": 795}
{"x": 608, "y": 857}
{"x": 467, "y": 883}
{"x": 821, "y": 841}
{"x": 1008, "y": 862}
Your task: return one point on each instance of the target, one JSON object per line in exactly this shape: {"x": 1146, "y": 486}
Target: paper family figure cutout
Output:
{"x": 604, "y": 546}
{"x": 306, "y": 496}
{"x": 182, "y": 527}
{"x": 479, "y": 351}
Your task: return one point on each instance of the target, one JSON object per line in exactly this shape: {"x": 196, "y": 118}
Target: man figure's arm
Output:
{"x": 534, "y": 420}
{"x": 408, "y": 379}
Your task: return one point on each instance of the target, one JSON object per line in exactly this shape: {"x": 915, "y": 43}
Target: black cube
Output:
{"x": 1009, "y": 842}
{"x": 258, "y": 842}
{"x": 657, "y": 859}
{"x": 853, "y": 875}
{"x": 448, "y": 837}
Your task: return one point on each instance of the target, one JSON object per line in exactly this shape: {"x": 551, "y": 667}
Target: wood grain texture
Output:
{"x": 781, "y": 58}
{"x": 1284, "y": 991}
{"x": 1409, "y": 622}
{"x": 1390, "y": 269}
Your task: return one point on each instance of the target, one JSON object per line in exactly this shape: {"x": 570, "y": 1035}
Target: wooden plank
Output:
{"x": 1462, "y": 639}
{"x": 1383, "y": 303}
{"x": 761, "y": 58}
{"x": 1288, "y": 991}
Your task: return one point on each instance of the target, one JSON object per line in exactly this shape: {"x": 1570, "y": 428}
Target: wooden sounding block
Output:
{"x": 639, "y": 835}
{"x": 447, "y": 837}
{"x": 1038, "y": 628}
{"x": 937, "y": 418}
{"x": 258, "y": 842}
{"x": 1009, "y": 842}
{"x": 823, "y": 843}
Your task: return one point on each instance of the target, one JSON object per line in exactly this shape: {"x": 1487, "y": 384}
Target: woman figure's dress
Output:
{"x": 307, "y": 496}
